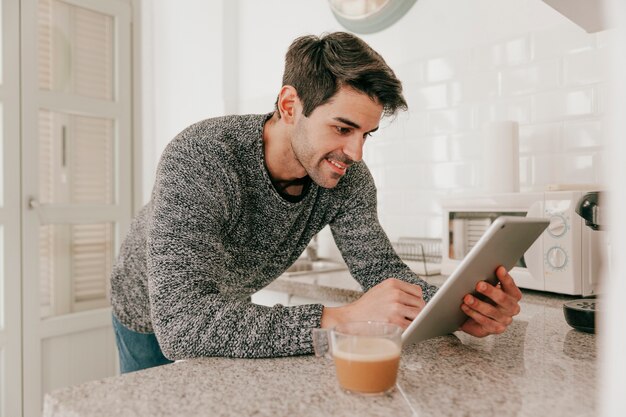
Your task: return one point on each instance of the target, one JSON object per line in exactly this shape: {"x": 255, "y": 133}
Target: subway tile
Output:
{"x": 409, "y": 124}
{"x": 424, "y": 226}
{"x": 378, "y": 173}
{"x": 543, "y": 171}
{"x": 482, "y": 58}
{"x": 586, "y": 67}
{"x": 611, "y": 39}
{"x": 402, "y": 176}
{"x": 427, "y": 148}
{"x": 583, "y": 134}
{"x": 387, "y": 130}
{"x": 390, "y": 224}
{"x": 410, "y": 225}
{"x": 392, "y": 177}
{"x": 566, "y": 168}
{"x": 407, "y": 226}
{"x": 555, "y": 105}
{"x": 428, "y": 97}
{"x": 368, "y": 156}
{"x": 513, "y": 51}
{"x": 392, "y": 133}
{"x": 450, "y": 121}
{"x": 384, "y": 152}
{"x": 525, "y": 180}
{"x": 602, "y": 168}
{"x": 475, "y": 86}
{"x": 380, "y": 203}
{"x": 540, "y": 76}
{"x": 422, "y": 202}
{"x": 432, "y": 226}
{"x": 539, "y": 139}
{"x": 467, "y": 191}
{"x": 603, "y": 93}
{"x": 454, "y": 175}
{"x": 557, "y": 41}
{"x": 439, "y": 69}
{"x": 516, "y": 109}
{"x": 396, "y": 226}
{"x": 465, "y": 146}
{"x": 410, "y": 72}
{"x": 391, "y": 202}
{"x": 446, "y": 67}
{"x": 576, "y": 169}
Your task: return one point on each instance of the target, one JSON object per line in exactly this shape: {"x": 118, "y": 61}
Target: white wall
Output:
{"x": 183, "y": 83}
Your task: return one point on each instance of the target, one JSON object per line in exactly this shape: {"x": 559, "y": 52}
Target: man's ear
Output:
{"x": 288, "y": 104}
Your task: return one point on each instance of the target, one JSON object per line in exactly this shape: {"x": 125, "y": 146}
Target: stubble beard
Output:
{"x": 305, "y": 155}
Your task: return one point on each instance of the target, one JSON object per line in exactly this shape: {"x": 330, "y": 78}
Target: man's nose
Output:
{"x": 354, "y": 148}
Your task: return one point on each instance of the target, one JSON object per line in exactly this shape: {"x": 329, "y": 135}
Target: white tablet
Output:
{"x": 504, "y": 243}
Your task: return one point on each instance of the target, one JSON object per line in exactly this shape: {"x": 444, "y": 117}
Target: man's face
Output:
{"x": 331, "y": 139}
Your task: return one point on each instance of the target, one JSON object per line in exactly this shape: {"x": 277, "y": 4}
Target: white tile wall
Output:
{"x": 518, "y": 109}
{"x": 562, "y": 104}
{"x": 540, "y": 76}
{"x": 560, "y": 40}
{"x": 450, "y": 121}
{"x": 474, "y": 86}
{"x": 539, "y": 139}
{"x": 586, "y": 67}
{"x": 552, "y": 81}
{"x": 583, "y": 135}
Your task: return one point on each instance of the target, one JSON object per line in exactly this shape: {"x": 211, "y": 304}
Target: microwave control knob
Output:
{"x": 557, "y": 226}
{"x": 556, "y": 257}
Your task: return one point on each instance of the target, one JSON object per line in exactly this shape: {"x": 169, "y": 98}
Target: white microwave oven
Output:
{"x": 566, "y": 259}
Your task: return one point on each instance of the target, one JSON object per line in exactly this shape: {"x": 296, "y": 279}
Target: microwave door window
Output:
{"x": 466, "y": 228}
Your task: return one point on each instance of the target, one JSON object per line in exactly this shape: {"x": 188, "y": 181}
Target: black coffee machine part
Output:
{"x": 588, "y": 208}
{"x": 581, "y": 314}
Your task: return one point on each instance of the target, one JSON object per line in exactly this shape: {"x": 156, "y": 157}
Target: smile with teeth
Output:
{"x": 337, "y": 164}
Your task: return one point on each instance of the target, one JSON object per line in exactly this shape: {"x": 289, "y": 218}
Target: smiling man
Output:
{"x": 238, "y": 198}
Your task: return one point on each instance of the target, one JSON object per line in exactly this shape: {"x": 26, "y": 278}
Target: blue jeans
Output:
{"x": 137, "y": 350}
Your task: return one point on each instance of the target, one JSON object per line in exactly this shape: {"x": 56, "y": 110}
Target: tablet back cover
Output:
{"x": 504, "y": 243}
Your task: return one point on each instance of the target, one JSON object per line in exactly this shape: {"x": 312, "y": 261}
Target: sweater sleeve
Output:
{"x": 194, "y": 200}
{"x": 364, "y": 244}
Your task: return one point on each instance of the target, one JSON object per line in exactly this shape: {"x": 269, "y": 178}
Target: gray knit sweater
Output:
{"x": 216, "y": 231}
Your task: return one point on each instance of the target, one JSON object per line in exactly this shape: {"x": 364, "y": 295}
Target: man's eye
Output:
{"x": 343, "y": 130}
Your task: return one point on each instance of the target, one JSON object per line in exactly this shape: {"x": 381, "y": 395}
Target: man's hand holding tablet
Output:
{"x": 486, "y": 318}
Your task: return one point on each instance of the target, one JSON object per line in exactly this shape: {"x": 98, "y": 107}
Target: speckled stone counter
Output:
{"x": 540, "y": 366}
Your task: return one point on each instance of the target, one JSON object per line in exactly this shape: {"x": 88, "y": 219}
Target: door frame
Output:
{"x": 10, "y": 245}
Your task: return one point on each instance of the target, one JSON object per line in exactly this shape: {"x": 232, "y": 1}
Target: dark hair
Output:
{"x": 317, "y": 67}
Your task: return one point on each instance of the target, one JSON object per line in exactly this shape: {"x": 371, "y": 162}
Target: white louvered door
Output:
{"x": 76, "y": 172}
{"x": 10, "y": 296}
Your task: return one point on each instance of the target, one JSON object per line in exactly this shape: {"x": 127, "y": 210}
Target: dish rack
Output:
{"x": 426, "y": 252}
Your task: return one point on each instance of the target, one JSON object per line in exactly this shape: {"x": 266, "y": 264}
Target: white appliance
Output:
{"x": 566, "y": 259}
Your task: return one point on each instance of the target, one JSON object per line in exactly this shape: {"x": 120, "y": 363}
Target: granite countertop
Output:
{"x": 539, "y": 366}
